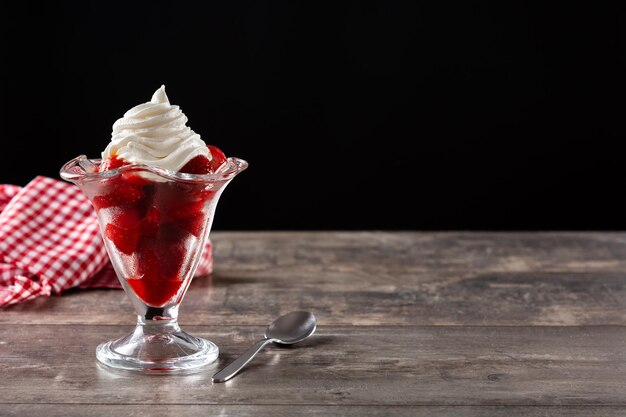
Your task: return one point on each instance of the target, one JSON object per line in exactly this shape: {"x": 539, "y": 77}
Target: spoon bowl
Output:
{"x": 291, "y": 328}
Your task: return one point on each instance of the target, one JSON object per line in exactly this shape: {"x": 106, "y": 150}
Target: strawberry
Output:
{"x": 193, "y": 224}
{"x": 112, "y": 162}
{"x": 159, "y": 259}
{"x": 184, "y": 210}
{"x": 128, "y": 218}
{"x": 218, "y": 157}
{"x": 200, "y": 165}
{"x": 125, "y": 240}
{"x": 123, "y": 194}
{"x": 148, "y": 260}
{"x": 154, "y": 293}
{"x": 171, "y": 259}
{"x": 158, "y": 278}
{"x": 190, "y": 216}
{"x": 150, "y": 224}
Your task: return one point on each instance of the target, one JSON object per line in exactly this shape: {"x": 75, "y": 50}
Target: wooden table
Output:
{"x": 410, "y": 324}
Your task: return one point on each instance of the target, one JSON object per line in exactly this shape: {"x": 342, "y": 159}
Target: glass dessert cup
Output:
{"x": 154, "y": 224}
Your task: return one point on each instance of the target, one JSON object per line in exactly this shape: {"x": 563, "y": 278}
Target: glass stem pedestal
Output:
{"x": 157, "y": 345}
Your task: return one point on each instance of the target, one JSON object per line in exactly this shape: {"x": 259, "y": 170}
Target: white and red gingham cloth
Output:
{"x": 50, "y": 242}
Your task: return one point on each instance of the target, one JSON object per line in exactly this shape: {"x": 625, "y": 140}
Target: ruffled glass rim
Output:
{"x": 82, "y": 168}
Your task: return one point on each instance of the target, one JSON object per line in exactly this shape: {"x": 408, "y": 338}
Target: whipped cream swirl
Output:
{"x": 155, "y": 134}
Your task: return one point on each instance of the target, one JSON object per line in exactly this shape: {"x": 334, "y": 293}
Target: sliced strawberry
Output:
{"x": 202, "y": 195}
{"x": 155, "y": 293}
{"x": 188, "y": 209}
{"x": 128, "y": 218}
{"x": 158, "y": 280}
{"x": 170, "y": 232}
{"x": 171, "y": 259}
{"x": 217, "y": 157}
{"x": 148, "y": 259}
{"x": 150, "y": 224}
{"x": 125, "y": 240}
{"x": 192, "y": 224}
{"x": 112, "y": 162}
{"x": 199, "y": 165}
{"x": 123, "y": 194}
{"x": 159, "y": 259}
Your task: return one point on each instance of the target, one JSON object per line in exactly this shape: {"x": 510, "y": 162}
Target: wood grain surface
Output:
{"x": 415, "y": 324}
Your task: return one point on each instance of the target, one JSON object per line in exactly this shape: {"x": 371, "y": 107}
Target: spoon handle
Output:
{"x": 235, "y": 366}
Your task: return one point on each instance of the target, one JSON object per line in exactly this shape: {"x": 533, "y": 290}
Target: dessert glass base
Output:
{"x": 157, "y": 346}
{"x": 154, "y": 225}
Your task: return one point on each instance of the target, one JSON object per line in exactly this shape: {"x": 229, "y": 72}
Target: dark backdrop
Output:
{"x": 390, "y": 115}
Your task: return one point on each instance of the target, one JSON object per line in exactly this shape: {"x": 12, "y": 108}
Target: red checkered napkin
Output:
{"x": 50, "y": 242}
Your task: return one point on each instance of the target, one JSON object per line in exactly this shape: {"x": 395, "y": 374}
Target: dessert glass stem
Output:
{"x": 158, "y": 314}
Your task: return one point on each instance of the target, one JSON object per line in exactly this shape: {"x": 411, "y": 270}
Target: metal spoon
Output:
{"x": 285, "y": 330}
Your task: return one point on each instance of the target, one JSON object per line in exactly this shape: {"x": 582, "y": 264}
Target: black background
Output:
{"x": 386, "y": 115}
